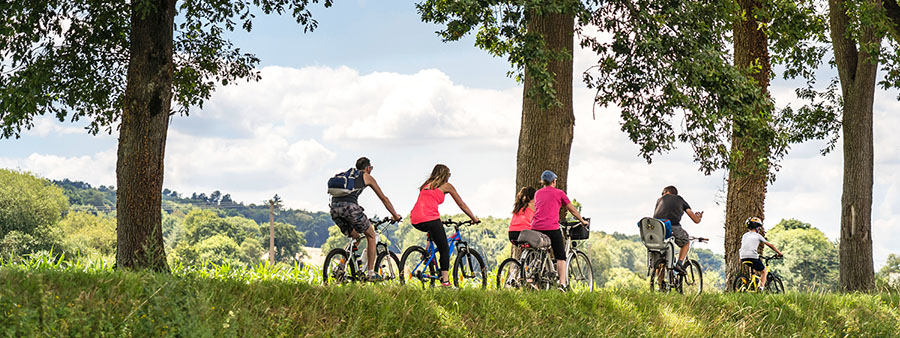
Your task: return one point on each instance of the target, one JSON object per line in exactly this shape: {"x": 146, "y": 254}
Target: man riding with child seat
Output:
{"x": 671, "y": 207}
{"x": 349, "y": 217}
{"x": 749, "y": 243}
{"x": 547, "y": 203}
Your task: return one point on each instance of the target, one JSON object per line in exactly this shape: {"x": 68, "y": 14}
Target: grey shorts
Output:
{"x": 681, "y": 236}
{"x": 349, "y": 216}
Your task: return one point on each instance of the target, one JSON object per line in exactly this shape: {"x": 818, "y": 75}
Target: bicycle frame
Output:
{"x": 454, "y": 241}
{"x": 755, "y": 278}
{"x": 352, "y": 247}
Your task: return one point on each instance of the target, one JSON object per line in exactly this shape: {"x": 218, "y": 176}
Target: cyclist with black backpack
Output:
{"x": 348, "y": 215}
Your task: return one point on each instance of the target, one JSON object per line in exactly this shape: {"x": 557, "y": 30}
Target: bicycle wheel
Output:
{"x": 336, "y": 269}
{"x": 580, "y": 271}
{"x": 413, "y": 270}
{"x": 774, "y": 284}
{"x": 388, "y": 267}
{"x": 742, "y": 283}
{"x": 510, "y": 275}
{"x": 658, "y": 275}
{"x": 469, "y": 270}
{"x": 691, "y": 283}
{"x": 533, "y": 268}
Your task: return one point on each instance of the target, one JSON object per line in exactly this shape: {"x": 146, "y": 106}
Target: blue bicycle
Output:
{"x": 419, "y": 266}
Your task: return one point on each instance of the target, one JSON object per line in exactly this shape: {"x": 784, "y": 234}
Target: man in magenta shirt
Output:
{"x": 547, "y": 203}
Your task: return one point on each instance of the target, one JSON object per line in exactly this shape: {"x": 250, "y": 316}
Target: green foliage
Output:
{"x": 83, "y": 194}
{"x": 791, "y": 224}
{"x": 666, "y": 57}
{"x": 70, "y": 58}
{"x": 30, "y": 207}
{"x": 336, "y": 239}
{"x": 501, "y": 29}
{"x": 207, "y": 237}
{"x": 88, "y": 235}
{"x": 217, "y": 249}
{"x": 288, "y": 242}
{"x": 810, "y": 259}
{"x": 890, "y": 272}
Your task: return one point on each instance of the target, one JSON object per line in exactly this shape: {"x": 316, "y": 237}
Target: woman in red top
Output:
{"x": 523, "y": 212}
{"x": 426, "y": 218}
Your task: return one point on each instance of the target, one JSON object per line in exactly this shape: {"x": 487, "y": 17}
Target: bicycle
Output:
{"x": 748, "y": 281}
{"x": 537, "y": 270}
{"x": 664, "y": 277}
{"x": 420, "y": 266}
{"x": 343, "y": 265}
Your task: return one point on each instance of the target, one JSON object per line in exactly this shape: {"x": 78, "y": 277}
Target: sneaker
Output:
{"x": 446, "y": 285}
{"x": 680, "y": 268}
{"x": 563, "y": 288}
{"x": 374, "y": 277}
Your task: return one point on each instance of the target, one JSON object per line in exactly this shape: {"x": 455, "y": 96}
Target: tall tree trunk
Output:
{"x": 857, "y": 72}
{"x": 142, "y": 136}
{"x": 746, "y": 178}
{"x": 545, "y": 138}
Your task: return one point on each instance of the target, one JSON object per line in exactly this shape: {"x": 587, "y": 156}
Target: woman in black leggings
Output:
{"x": 426, "y": 218}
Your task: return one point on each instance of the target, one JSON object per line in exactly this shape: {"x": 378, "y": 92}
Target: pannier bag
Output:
{"x": 343, "y": 183}
{"x": 534, "y": 238}
{"x": 579, "y": 232}
{"x": 654, "y": 232}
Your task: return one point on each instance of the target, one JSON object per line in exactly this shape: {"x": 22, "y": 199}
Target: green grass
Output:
{"x": 59, "y": 299}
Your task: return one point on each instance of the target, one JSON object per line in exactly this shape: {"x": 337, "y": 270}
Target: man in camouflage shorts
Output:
{"x": 348, "y": 215}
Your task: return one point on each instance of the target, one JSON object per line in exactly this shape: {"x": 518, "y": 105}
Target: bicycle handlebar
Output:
{"x": 575, "y": 222}
{"x": 775, "y": 256}
{"x": 698, "y": 239}
{"x": 377, "y": 222}
{"x": 450, "y": 222}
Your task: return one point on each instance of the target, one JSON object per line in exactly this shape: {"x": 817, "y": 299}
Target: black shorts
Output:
{"x": 514, "y": 237}
{"x": 757, "y": 263}
{"x": 557, "y": 243}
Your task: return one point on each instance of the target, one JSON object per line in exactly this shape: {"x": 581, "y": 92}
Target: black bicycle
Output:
{"x": 343, "y": 265}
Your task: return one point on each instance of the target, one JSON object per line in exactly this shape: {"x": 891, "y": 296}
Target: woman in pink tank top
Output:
{"x": 425, "y": 216}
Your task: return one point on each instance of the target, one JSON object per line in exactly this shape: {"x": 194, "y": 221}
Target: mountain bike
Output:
{"x": 664, "y": 277}
{"x": 537, "y": 270}
{"x": 748, "y": 280}
{"x": 343, "y": 265}
{"x": 419, "y": 266}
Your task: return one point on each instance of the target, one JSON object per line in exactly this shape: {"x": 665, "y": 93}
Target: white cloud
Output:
{"x": 47, "y": 126}
{"x": 346, "y": 106}
{"x": 99, "y": 169}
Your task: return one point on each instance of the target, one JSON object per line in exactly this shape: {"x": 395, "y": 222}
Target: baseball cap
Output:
{"x": 548, "y": 176}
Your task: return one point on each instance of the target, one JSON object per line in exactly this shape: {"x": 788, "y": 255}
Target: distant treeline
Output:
{"x": 314, "y": 225}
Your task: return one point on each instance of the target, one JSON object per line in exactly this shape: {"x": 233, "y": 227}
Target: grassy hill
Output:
{"x": 67, "y": 302}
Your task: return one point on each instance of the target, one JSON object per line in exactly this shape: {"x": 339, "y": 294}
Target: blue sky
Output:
{"x": 374, "y": 81}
